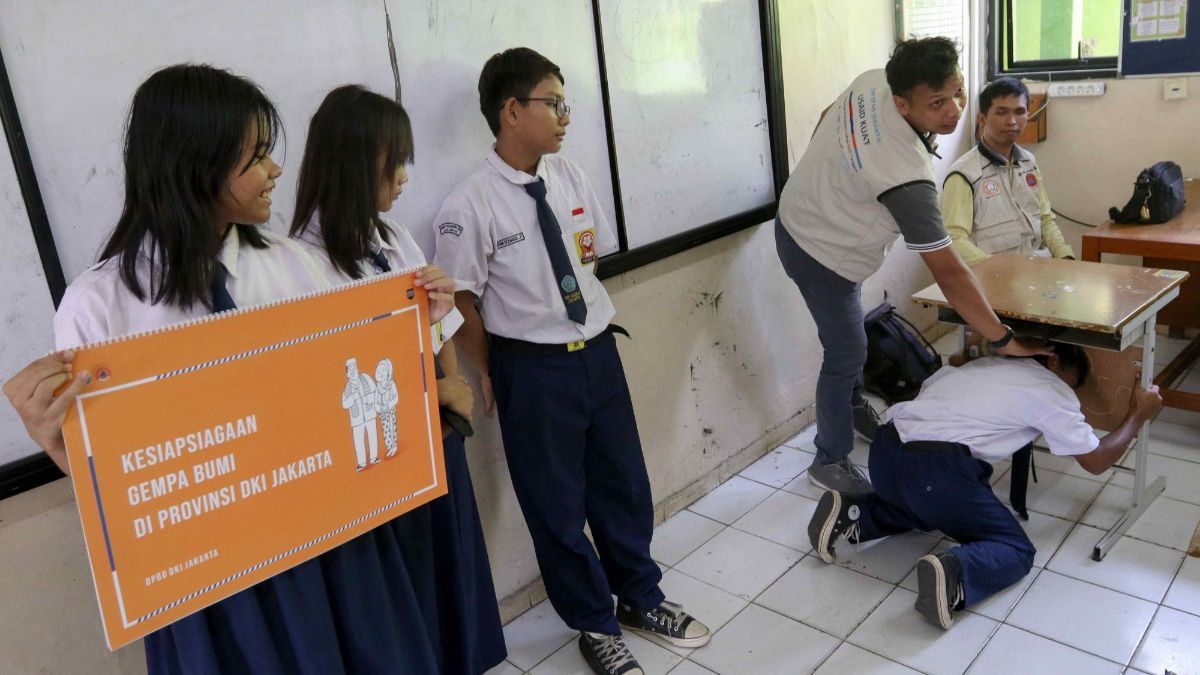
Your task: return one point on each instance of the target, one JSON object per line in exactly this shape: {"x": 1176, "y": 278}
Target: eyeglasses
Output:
{"x": 560, "y": 106}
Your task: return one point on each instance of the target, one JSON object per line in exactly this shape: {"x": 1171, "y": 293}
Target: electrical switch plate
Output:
{"x": 1175, "y": 87}
{"x": 1061, "y": 89}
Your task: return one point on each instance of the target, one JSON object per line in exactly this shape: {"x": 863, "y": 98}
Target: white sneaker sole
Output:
{"x": 945, "y": 620}
{"x": 684, "y": 643}
{"x": 826, "y": 531}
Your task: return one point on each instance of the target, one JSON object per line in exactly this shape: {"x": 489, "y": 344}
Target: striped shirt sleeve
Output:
{"x": 914, "y": 207}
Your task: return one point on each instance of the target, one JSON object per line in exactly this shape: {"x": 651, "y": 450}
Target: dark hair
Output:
{"x": 1072, "y": 358}
{"x": 340, "y": 174}
{"x": 512, "y": 73}
{"x": 1004, "y": 86}
{"x": 186, "y": 131}
{"x": 930, "y": 61}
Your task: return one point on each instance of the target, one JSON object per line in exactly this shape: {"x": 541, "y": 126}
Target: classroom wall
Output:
{"x": 1095, "y": 146}
{"x": 722, "y": 368}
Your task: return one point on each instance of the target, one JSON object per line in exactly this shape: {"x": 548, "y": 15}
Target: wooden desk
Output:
{"x": 1174, "y": 244}
{"x": 1084, "y": 303}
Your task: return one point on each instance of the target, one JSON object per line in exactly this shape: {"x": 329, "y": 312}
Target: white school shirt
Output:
{"x": 488, "y": 239}
{"x": 98, "y": 305}
{"x": 862, "y": 149}
{"x": 995, "y": 406}
{"x": 401, "y": 253}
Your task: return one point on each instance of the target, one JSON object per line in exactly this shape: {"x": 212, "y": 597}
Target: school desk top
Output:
{"x": 1176, "y": 239}
{"x": 1088, "y": 303}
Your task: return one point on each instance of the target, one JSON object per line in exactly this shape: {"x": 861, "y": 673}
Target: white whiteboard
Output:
{"x": 74, "y": 67}
{"x": 439, "y": 70}
{"x": 26, "y": 310}
{"x": 688, "y": 101}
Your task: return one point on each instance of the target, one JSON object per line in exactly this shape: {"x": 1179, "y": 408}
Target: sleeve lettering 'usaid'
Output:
{"x": 862, "y": 149}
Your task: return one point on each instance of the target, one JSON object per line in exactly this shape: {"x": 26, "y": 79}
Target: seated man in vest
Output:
{"x": 931, "y": 462}
{"x": 994, "y": 200}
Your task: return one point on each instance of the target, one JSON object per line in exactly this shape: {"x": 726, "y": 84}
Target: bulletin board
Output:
{"x": 1153, "y": 44}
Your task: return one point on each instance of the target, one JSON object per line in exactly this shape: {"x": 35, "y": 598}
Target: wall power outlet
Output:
{"x": 1059, "y": 89}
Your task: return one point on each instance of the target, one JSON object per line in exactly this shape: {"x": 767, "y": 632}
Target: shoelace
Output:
{"x": 851, "y": 533}
{"x": 611, "y": 651}
{"x": 852, "y": 469}
{"x": 671, "y": 619}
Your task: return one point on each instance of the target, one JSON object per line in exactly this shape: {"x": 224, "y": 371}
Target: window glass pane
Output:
{"x": 1102, "y": 23}
{"x": 1054, "y": 29}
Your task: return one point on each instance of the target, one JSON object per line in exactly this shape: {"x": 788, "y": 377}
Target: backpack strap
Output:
{"x": 919, "y": 333}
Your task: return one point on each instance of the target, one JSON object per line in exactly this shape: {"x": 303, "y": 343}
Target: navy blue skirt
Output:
{"x": 414, "y": 595}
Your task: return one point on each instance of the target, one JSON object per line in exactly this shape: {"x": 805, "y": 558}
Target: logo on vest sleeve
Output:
{"x": 1031, "y": 180}
{"x": 450, "y": 228}
{"x": 990, "y": 187}
{"x": 568, "y": 284}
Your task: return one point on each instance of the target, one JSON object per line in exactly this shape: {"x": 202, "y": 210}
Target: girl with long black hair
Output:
{"x": 358, "y": 146}
{"x": 199, "y": 176}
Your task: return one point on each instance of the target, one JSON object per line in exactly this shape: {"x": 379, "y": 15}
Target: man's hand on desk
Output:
{"x": 1021, "y": 346}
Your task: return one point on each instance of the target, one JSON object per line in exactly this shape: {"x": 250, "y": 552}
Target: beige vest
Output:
{"x": 1008, "y": 217}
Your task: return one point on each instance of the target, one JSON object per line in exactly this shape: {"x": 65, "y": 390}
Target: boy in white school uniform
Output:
{"x": 520, "y": 239}
{"x": 931, "y": 463}
{"x": 866, "y": 178}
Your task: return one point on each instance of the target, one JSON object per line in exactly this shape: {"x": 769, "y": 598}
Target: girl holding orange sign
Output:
{"x": 198, "y": 178}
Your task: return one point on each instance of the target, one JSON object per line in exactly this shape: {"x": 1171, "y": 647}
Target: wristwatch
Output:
{"x": 1008, "y": 336}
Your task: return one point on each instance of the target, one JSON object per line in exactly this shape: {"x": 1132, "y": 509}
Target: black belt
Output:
{"x": 934, "y": 447}
{"x": 506, "y": 344}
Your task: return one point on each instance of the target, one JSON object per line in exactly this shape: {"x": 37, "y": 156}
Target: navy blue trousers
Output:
{"x": 575, "y": 457}
{"x": 929, "y": 491}
{"x": 411, "y": 597}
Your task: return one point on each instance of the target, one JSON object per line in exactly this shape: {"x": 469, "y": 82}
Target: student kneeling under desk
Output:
{"x": 931, "y": 462}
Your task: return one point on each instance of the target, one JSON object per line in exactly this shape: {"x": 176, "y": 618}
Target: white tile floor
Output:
{"x": 740, "y": 560}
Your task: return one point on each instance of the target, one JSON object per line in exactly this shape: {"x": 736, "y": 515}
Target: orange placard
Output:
{"x": 210, "y": 456}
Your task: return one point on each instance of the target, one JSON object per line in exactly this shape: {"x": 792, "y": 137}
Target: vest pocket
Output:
{"x": 999, "y": 236}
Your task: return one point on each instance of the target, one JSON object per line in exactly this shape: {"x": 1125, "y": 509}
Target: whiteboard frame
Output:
{"x": 627, "y": 259}
{"x": 38, "y": 469}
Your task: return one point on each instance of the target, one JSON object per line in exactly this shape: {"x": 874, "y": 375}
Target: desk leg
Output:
{"x": 1143, "y": 496}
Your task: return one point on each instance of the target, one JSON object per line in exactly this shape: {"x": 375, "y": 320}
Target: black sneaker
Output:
{"x": 667, "y": 622}
{"x": 866, "y": 421}
{"x": 836, "y": 516}
{"x": 608, "y": 655}
{"x": 939, "y": 588}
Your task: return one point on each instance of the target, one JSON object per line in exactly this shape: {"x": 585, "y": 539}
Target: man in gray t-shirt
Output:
{"x": 866, "y": 178}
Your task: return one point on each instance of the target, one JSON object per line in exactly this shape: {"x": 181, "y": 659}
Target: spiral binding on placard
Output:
{"x": 241, "y": 310}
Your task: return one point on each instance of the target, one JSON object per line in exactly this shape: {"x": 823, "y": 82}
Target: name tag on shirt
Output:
{"x": 509, "y": 241}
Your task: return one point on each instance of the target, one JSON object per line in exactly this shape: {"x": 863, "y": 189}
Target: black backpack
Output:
{"x": 899, "y": 358}
{"x": 1157, "y": 196}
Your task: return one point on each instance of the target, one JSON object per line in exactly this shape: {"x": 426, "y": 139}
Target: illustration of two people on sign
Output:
{"x": 368, "y": 400}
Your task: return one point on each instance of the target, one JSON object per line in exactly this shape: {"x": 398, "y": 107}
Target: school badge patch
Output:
{"x": 1031, "y": 180}
{"x": 990, "y": 187}
{"x": 585, "y": 246}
